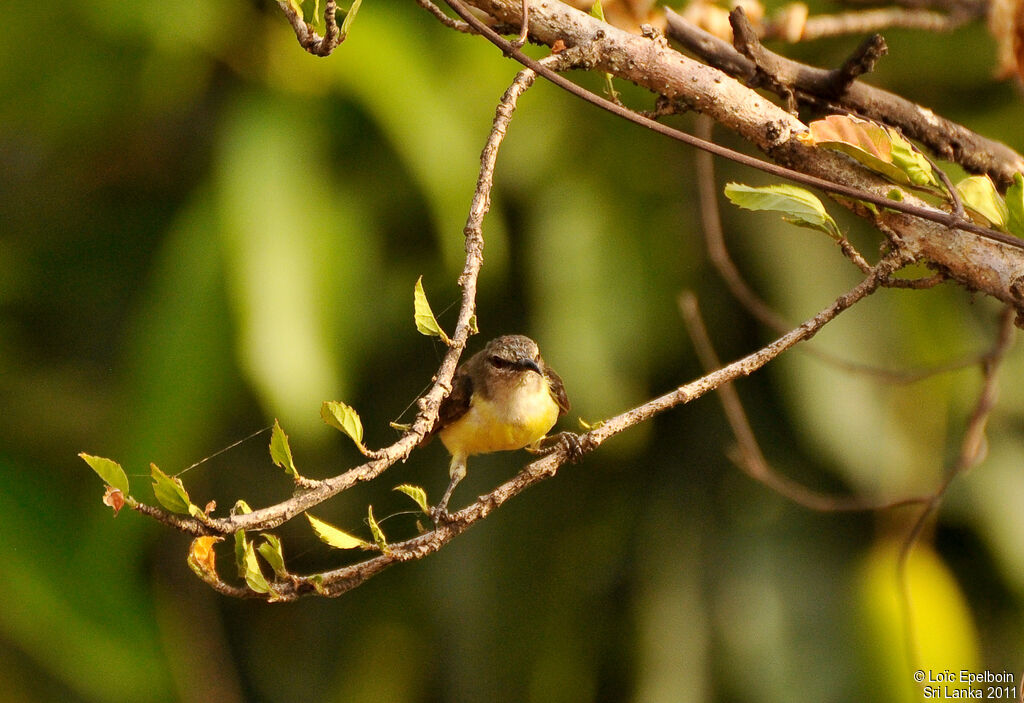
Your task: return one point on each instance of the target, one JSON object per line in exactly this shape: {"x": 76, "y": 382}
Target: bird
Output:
{"x": 504, "y": 397}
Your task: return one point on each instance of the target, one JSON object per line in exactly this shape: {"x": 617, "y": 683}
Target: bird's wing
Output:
{"x": 557, "y": 389}
{"x": 455, "y": 405}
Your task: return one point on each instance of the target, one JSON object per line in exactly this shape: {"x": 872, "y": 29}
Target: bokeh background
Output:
{"x": 203, "y": 229}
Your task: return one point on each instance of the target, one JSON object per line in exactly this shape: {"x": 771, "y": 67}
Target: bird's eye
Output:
{"x": 499, "y": 363}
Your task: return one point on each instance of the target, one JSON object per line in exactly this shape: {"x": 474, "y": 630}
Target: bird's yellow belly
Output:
{"x": 488, "y": 428}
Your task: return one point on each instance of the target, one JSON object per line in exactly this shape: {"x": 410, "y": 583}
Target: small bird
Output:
{"x": 503, "y": 397}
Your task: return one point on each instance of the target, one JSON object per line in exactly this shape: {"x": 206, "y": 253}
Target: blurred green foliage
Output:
{"x": 202, "y": 228}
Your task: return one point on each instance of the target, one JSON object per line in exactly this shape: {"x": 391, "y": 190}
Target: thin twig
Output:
{"x": 972, "y": 451}
{"x": 751, "y": 459}
{"x": 865, "y": 21}
{"x": 307, "y": 36}
{"x": 457, "y": 25}
{"x": 524, "y": 28}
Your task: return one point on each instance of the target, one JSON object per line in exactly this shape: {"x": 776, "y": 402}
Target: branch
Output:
{"x": 336, "y": 582}
{"x": 990, "y": 263}
{"x": 946, "y": 139}
{"x": 275, "y": 515}
{"x": 866, "y": 21}
{"x": 972, "y": 451}
{"x": 751, "y": 459}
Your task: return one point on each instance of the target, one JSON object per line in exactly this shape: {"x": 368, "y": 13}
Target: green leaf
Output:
{"x": 241, "y": 508}
{"x": 980, "y": 196}
{"x": 280, "y": 452}
{"x": 270, "y": 549}
{"x": 417, "y": 494}
{"x": 109, "y": 470}
{"x": 912, "y": 162}
{"x": 253, "y": 574}
{"x": 342, "y": 417}
{"x": 241, "y": 544}
{"x": 169, "y": 492}
{"x": 1015, "y": 206}
{"x": 426, "y": 323}
{"x": 378, "y": 534}
{"x": 797, "y": 205}
{"x": 350, "y": 17}
{"x": 332, "y": 536}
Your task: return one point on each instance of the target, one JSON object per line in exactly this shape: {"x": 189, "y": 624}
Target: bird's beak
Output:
{"x": 527, "y": 363}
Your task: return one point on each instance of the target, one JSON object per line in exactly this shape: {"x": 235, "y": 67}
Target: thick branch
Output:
{"x": 993, "y": 266}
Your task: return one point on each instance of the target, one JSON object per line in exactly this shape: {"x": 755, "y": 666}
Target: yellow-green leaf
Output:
{"x": 170, "y": 492}
{"x": 417, "y": 494}
{"x": 331, "y": 535}
{"x": 241, "y": 544}
{"x": 1015, "y": 206}
{"x": 342, "y": 417}
{"x": 253, "y": 574}
{"x": 350, "y": 17}
{"x": 241, "y": 508}
{"x": 980, "y": 196}
{"x": 797, "y": 205}
{"x": 378, "y": 534}
{"x": 109, "y": 470}
{"x": 281, "y": 452}
{"x": 426, "y": 323}
{"x": 270, "y": 549}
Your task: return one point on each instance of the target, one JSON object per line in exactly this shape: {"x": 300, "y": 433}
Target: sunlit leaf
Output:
{"x": 1015, "y": 206}
{"x": 426, "y": 323}
{"x": 109, "y": 470}
{"x": 881, "y": 149}
{"x": 332, "y": 536}
{"x": 281, "y": 452}
{"x": 417, "y": 494}
{"x": 270, "y": 549}
{"x": 342, "y": 417}
{"x": 378, "y": 534}
{"x": 170, "y": 492}
{"x": 980, "y": 196}
{"x": 797, "y": 205}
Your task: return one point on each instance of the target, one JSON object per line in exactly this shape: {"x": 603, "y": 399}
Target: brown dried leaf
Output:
{"x": 114, "y": 498}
